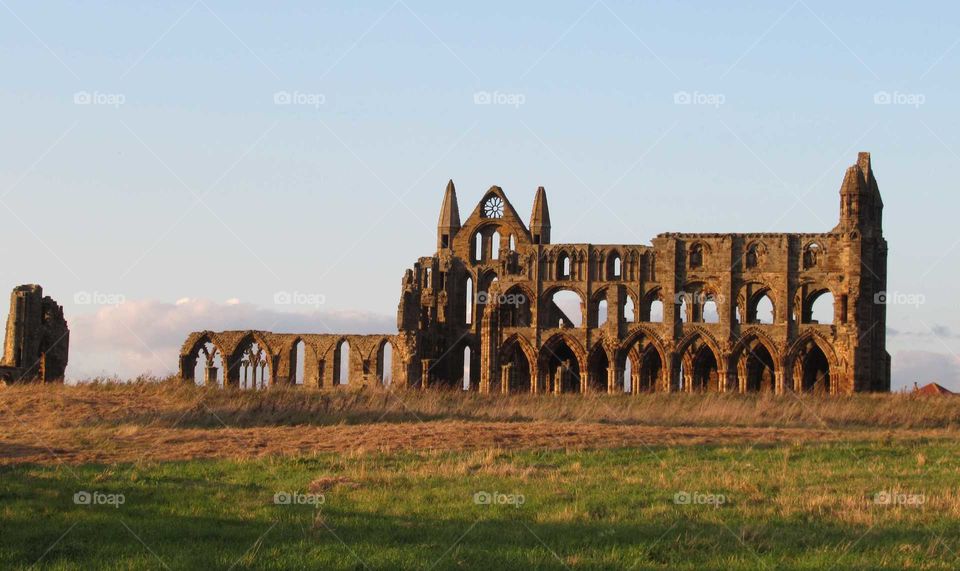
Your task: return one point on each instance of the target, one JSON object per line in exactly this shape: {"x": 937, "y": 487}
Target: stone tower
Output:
{"x": 37, "y": 338}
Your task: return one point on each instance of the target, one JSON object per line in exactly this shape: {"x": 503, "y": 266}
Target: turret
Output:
{"x": 861, "y": 207}
{"x": 540, "y": 218}
{"x": 449, "y": 223}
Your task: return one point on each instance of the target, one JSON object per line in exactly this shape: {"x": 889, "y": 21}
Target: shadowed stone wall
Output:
{"x": 36, "y": 347}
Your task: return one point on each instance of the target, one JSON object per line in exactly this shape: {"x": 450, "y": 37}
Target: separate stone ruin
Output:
{"x": 37, "y": 342}
{"x": 499, "y": 308}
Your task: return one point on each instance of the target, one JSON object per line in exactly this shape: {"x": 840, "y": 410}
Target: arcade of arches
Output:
{"x": 499, "y": 308}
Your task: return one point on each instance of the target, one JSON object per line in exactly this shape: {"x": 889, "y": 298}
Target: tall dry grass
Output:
{"x": 170, "y": 402}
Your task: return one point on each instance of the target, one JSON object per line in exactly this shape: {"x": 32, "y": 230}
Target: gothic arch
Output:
{"x": 802, "y": 356}
{"x": 750, "y": 295}
{"x": 695, "y": 333}
{"x": 702, "y": 363}
{"x": 822, "y": 342}
{"x": 191, "y": 348}
{"x": 519, "y": 358}
{"x": 556, "y": 353}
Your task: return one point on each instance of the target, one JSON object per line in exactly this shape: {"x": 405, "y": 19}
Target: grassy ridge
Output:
{"x": 170, "y": 402}
{"x": 784, "y": 507}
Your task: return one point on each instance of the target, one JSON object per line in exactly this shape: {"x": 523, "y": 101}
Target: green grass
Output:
{"x": 788, "y": 507}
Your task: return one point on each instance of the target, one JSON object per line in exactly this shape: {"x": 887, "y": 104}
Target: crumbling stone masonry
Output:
{"x": 37, "y": 341}
{"x": 485, "y": 311}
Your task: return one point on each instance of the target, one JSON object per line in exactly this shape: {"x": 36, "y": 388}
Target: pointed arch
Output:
{"x": 520, "y": 358}
{"x": 562, "y": 361}
{"x": 814, "y": 365}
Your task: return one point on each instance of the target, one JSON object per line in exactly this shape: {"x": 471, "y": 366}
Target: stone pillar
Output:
{"x": 635, "y": 383}
{"x": 425, "y": 365}
{"x": 611, "y": 378}
{"x": 778, "y": 381}
{"x": 505, "y": 371}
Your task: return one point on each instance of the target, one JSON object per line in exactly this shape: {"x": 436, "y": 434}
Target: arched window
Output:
{"x": 385, "y": 364}
{"x": 564, "y": 310}
{"x": 496, "y": 246}
{"x": 343, "y": 363}
{"x": 696, "y": 255}
{"x": 513, "y": 243}
{"x": 601, "y": 312}
{"x": 468, "y": 305}
{"x": 628, "y": 311}
{"x": 710, "y": 312}
{"x": 465, "y": 384}
{"x": 812, "y": 255}
{"x": 651, "y": 308}
{"x": 563, "y": 266}
{"x": 209, "y": 368}
{"x": 299, "y": 362}
{"x": 254, "y": 367}
{"x": 821, "y": 308}
{"x": 755, "y": 255}
{"x": 614, "y": 267}
{"x": 656, "y": 311}
{"x": 763, "y": 310}
{"x": 627, "y": 380}
{"x": 478, "y": 247}
{"x": 682, "y": 309}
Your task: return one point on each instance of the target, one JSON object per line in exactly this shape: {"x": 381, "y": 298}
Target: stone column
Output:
{"x": 635, "y": 383}
{"x": 505, "y": 371}
{"x": 425, "y": 365}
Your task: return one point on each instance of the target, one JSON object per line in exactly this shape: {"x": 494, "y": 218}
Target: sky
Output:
{"x": 166, "y": 167}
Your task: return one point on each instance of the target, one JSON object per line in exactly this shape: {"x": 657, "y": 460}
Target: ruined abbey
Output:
{"x": 500, "y": 308}
{"x": 37, "y": 340}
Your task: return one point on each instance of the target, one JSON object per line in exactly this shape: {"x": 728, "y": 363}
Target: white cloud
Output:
{"x": 145, "y": 336}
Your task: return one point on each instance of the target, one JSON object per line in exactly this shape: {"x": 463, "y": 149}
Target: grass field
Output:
{"x": 461, "y": 482}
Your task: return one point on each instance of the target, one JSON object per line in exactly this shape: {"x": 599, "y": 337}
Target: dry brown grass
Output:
{"x": 108, "y": 422}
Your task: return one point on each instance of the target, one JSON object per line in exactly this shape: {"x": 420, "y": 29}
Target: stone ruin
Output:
{"x": 683, "y": 314}
{"x": 37, "y": 341}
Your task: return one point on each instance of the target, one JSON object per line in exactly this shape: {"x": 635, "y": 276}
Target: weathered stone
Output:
{"x": 36, "y": 347}
{"x": 489, "y": 287}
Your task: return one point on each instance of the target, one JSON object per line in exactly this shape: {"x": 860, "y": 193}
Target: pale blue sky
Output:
{"x": 100, "y": 199}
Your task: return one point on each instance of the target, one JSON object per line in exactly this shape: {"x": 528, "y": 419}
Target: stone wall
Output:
{"x": 490, "y": 288}
{"x": 681, "y": 314}
{"x": 36, "y": 347}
